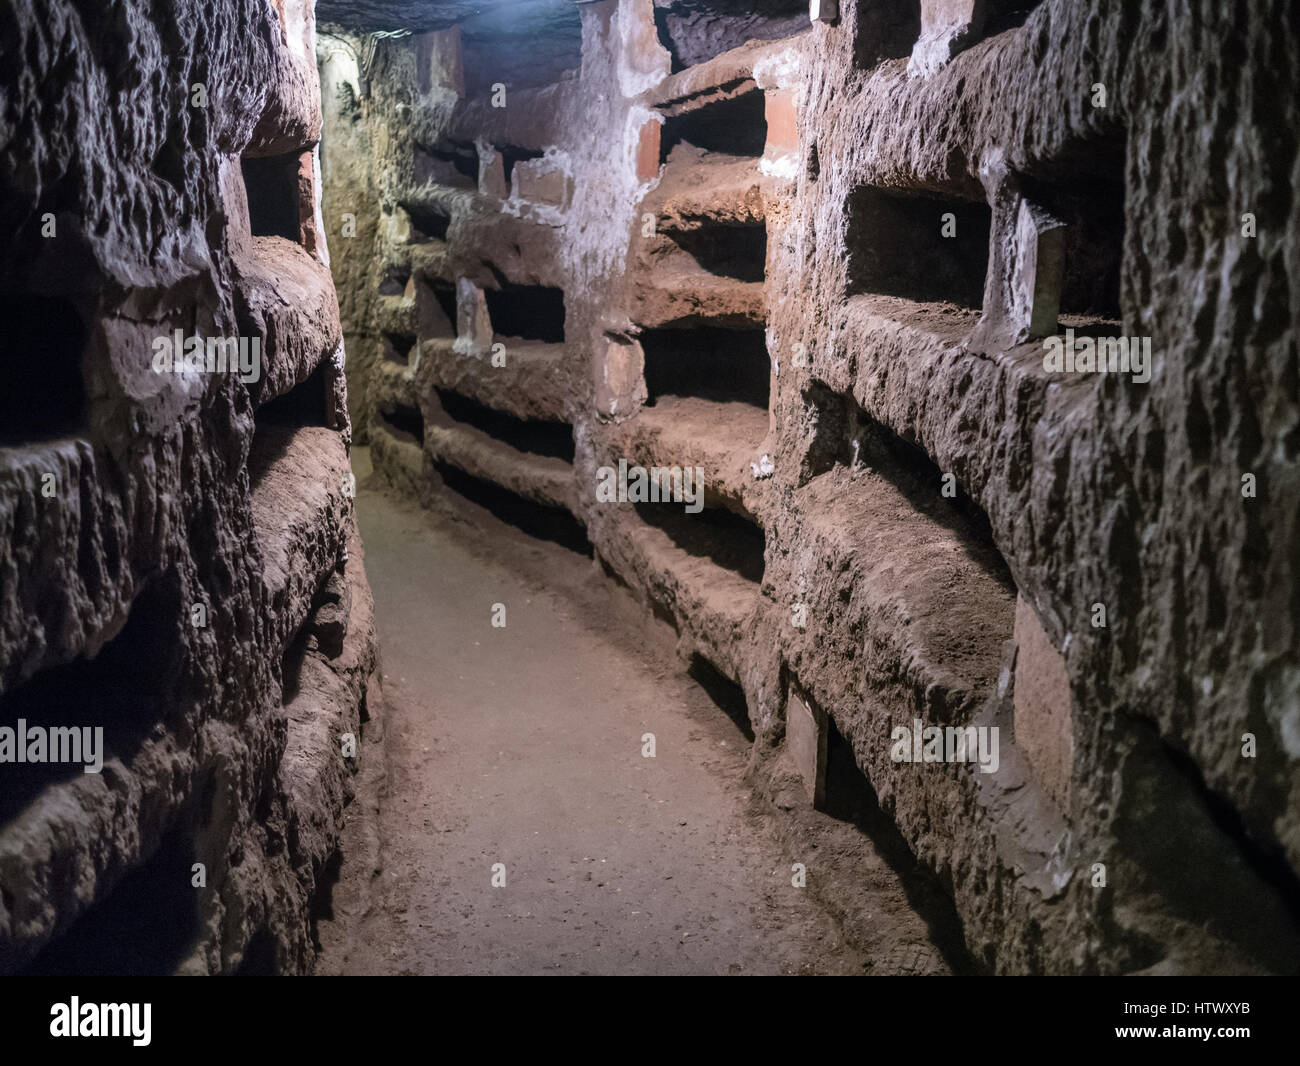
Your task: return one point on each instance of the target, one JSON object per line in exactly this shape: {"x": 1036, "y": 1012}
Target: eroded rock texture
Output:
{"x": 819, "y": 261}
{"x": 180, "y": 564}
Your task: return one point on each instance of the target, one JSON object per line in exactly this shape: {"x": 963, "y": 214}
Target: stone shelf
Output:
{"x": 300, "y": 512}
{"x": 285, "y": 296}
{"x": 543, "y": 479}
{"x": 723, "y": 439}
{"x": 536, "y": 382}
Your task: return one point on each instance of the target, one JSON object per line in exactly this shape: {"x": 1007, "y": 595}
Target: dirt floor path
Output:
{"x": 522, "y": 746}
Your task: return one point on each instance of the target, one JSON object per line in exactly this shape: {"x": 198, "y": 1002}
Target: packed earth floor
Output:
{"x": 522, "y": 745}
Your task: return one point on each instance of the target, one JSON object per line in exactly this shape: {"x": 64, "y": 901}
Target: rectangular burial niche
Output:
{"x": 275, "y": 421}
{"x": 435, "y": 309}
{"x": 725, "y": 693}
{"x": 885, "y": 30}
{"x": 42, "y": 392}
{"x": 451, "y": 163}
{"x": 724, "y": 538}
{"x": 840, "y": 422}
{"x": 394, "y": 282}
{"x": 403, "y": 421}
{"x": 510, "y": 155}
{"x": 274, "y": 195}
{"x": 147, "y": 925}
{"x": 527, "y": 312}
{"x": 708, "y": 362}
{"x": 726, "y": 249}
{"x": 1084, "y": 188}
{"x": 918, "y": 246}
{"x": 429, "y": 222}
{"x": 110, "y": 690}
{"x": 850, "y": 797}
{"x": 694, "y": 31}
{"x": 554, "y": 524}
{"x": 397, "y": 347}
{"x": 534, "y": 436}
{"x": 735, "y": 127}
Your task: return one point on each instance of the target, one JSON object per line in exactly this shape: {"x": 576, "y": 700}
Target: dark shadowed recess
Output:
{"x": 724, "y": 538}
{"x": 273, "y": 195}
{"x": 850, "y": 798}
{"x": 110, "y": 690}
{"x": 735, "y": 127}
{"x": 839, "y": 421}
{"x": 725, "y": 693}
{"x": 403, "y": 422}
{"x": 920, "y": 247}
{"x": 146, "y": 926}
{"x": 730, "y": 251}
{"x": 42, "y": 395}
{"x": 529, "y": 312}
{"x": 555, "y": 524}
{"x": 722, "y": 365}
{"x": 535, "y": 436}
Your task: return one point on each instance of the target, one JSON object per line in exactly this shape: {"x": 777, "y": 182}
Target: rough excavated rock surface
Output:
{"x": 823, "y": 277}
{"x": 179, "y": 562}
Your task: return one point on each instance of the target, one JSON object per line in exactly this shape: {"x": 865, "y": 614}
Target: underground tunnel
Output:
{"x": 660, "y": 487}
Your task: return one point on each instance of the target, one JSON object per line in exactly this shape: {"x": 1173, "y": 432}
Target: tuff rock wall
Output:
{"x": 820, "y": 261}
{"x": 179, "y": 563}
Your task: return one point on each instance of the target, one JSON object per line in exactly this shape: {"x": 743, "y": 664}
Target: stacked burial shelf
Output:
{"x": 497, "y": 433}
{"x": 700, "y": 307}
{"x": 132, "y": 832}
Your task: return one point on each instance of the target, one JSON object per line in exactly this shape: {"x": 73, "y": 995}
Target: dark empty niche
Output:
{"x": 694, "y": 31}
{"x": 429, "y": 222}
{"x": 544, "y": 523}
{"x": 302, "y": 405}
{"x": 1084, "y": 188}
{"x": 403, "y": 422}
{"x": 532, "y": 435}
{"x": 274, "y": 197}
{"x": 730, "y": 251}
{"x": 1197, "y": 853}
{"x": 394, "y": 282}
{"x": 42, "y": 393}
{"x": 839, "y": 423}
{"x": 850, "y": 798}
{"x": 528, "y": 312}
{"x": 276, "y": 421}
{"x": 454, "y": 164}
{"x": 722, "y": 365}
{"x": 897, "y": 247}
{"x": 735, "y": 127}
{"x": 398, "y": 347}
{"x": 147, "y": 926}
{"x": 111, "y": 691}
{"x": 435, "y": 309}
{"x": 885, "y": 29}
{"x": 725, "y": 693}
{"x": 511, "y": 155}
{"x": 724, "y": 538}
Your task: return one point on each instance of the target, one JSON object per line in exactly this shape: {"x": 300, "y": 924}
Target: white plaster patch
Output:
{"x": 782, "y": 166}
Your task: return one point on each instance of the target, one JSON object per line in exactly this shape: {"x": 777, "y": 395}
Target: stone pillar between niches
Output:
{"x": 1026, "y": 267}
{"x": 1043, "y": 713}
{"x": 620, "y": 377}
{"x": 805, "y": 740}
{"x": 947, "y": 26}
{"x": 492, "y": 172}
{"x": 473, "y": 323}
{"x": 647, "y": 150}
